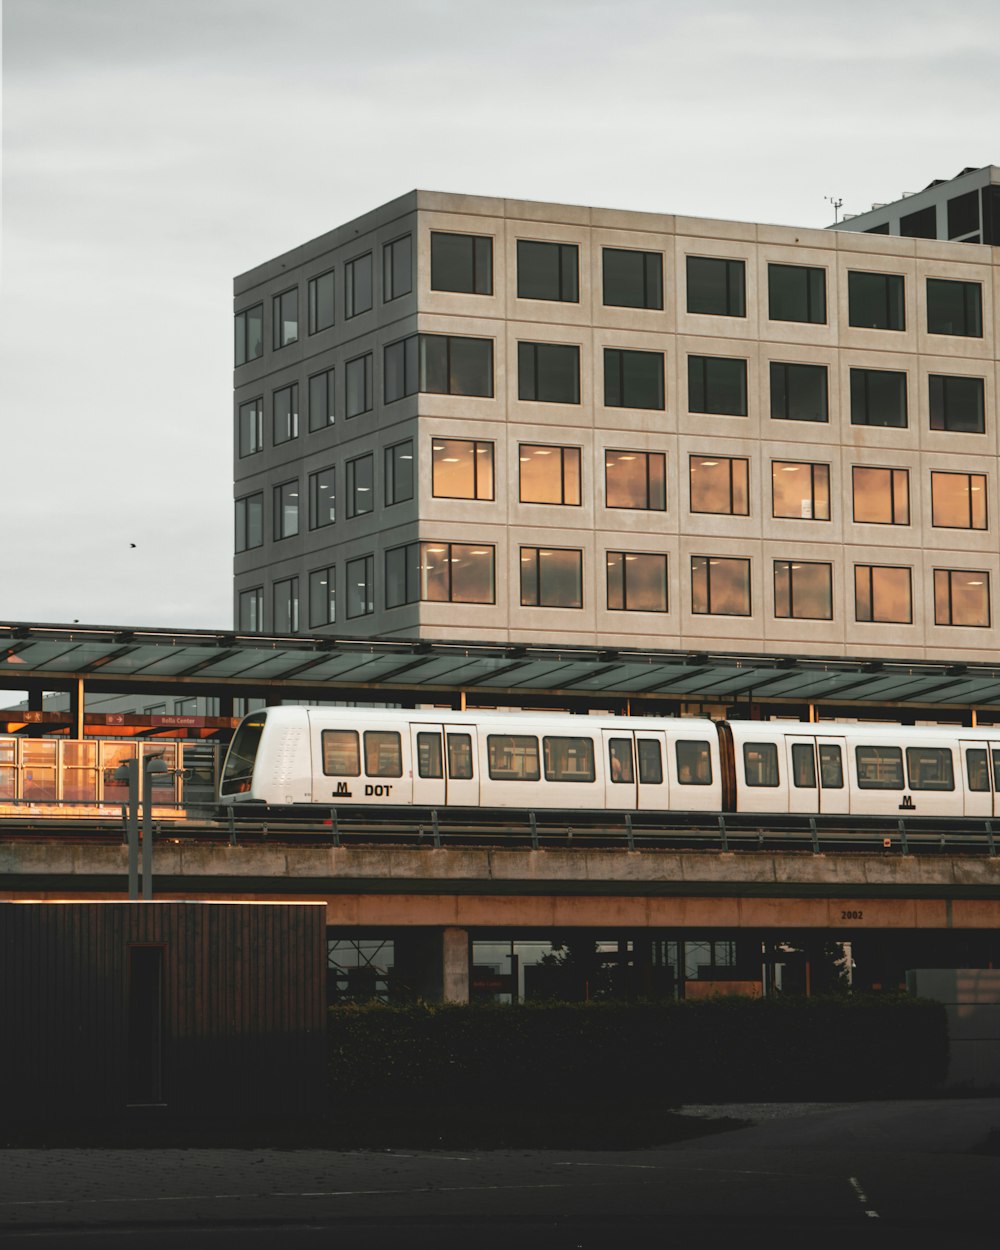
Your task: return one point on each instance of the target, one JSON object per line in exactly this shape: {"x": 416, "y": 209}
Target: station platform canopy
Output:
{"x": 83, "y": 659}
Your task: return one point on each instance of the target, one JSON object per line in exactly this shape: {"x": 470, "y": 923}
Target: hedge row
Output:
{"x": 562, "y": 1055}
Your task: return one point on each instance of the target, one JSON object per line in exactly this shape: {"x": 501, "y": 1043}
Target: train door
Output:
{"x": 834, "y": 793}
{"x": 651, "y": 769}
{"x": 619, "y": 768}
{"x": 462, "y": 765}
{"x": 427, "y": 754}
{"x": 980, "y": 765}
{"x": 803, "y": 777}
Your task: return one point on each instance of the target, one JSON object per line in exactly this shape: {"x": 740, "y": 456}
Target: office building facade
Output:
{"x": 495, "y": 420}
{"x": 963, "y": 209}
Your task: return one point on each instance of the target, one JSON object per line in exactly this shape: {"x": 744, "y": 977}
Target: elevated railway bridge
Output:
{"x": 431, "y": 905}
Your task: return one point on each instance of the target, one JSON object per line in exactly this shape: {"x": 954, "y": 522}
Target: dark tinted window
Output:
{"x": 831, "y": 767}
{"x": 694, "y": 763}
{"x": 760, "y": 763}
{"x": 930, "y": 768}
{"x": 461, "y": 262}
{"x": 569, "y": 759}
{"x": 512, "y": 757}
{"x": 716, "y": 286}
{"x": 341, "y": 753}
{"x": 633, "y": 379}
{"x": 548, "y": 372}
{"x": 803, "y": 765}
{"x": 547, "y": 271}
{"x": 963, "y": 215}
{"x": 650, "y": 762}
{"x": 460, "y": 757}
{"x": 358, "y": 285}
{"x": 879, "y": 768}
{"x": 875, "y": 300}
{"x": 919, "y": 225}
{"x": 977, "y": 769}
{"x": 796, "y": 293}
{"x": 955, "y": 308}
{"x": 798, "y": 392}
{"x": 633, "y": 279}
{"x": 430, "y": 762}
{"x": 957, "y": 404}
{"x": 878, "y": 397}
{"x": 717, "y": 384}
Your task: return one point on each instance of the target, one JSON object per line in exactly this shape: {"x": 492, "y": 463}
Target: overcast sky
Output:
{"x": 152, "y": 149}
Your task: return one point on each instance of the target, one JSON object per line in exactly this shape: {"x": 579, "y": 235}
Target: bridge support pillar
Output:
{"x": 455, "y": 965}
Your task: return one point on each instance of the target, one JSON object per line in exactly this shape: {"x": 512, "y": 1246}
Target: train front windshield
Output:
{"x": 237, "y": 774}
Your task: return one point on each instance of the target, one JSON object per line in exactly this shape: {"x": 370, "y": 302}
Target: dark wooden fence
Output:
{"x": 202, "y": 1010}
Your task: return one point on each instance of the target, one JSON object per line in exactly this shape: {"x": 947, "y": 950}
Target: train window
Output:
{"x": 977, "y": 769}
{"x": 569, "y": 759}
{"x": 803, "y": 765}
{"x": 930, "y": 768}
{"x": 694, "y": 763}
{"x": 651, "y": 762}
{"x": 620, "y": 760}
{"x": 831, "y": 768}
{"x": 879, "y": 768}
{"x": 383, "y": 753}
{"x": 996, "y": 770}
{"x": 460, "y": 757}
{"x": 760, "y": 763}
{"x": 429, "y": 761}
{"x": 341, "y": 753}
{"x": 513, "y": 757}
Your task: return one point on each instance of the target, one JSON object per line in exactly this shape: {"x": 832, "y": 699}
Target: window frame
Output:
{"x": 257, "y": 592}
{"x": 390, "y": 472}
{"x": 950, "y": 622}
{"x": 315, "y": 502}
{"x": 279, "y": 510}
{"x": 351, "y": 488}
{"x": 568, "y": 276}
{"x": 475, "y": 443}
{"x": 789, "y": 567}
{"x": 785, "y": 390}
{"x": 859, "y": 382}
{"x": 330, "y": 596}
{"x": 707, "y": 391}
{"x": 330, "y": 406}
{"x": 976, "y": 319}
{"x": 562, "y": 449}
{"x": 292, "y": 583}
{"x": 878, "y": 468}
{"x": 365, "y": 359}
{"x": 278, "y": 338}
{"x": 313, "y": 302}
{"x": 351, "y": 307}
{"x": 475, "y": 240}
{"x": 648, "y": 457}
{"x": 735, "y": 294}
{"x": 651, "y": 291}
{"x": 634, "y": 555}
{"x": 618, "y": 389}
{"x": 291, "y": 418}
{"x": 808, "y": 272}
{"x": 812, "y": 466}
{"x": 731, "y": 460}
{"x": 855, "y": 277}
{"x": 537, "y": 350}
{"x": 390, "y": 267}
{"x": 969, "y": 491}
{"x": 872, "y": 569}
{"x": 708, "y": 610}
{"x": 941, "y": 402}
{"x": 540, "y": 601}
{"x": 369, "y": 584}
{"x": 255, "y": 445}
{"x": 241, "y": 334}
{"x": 242, "y": 505}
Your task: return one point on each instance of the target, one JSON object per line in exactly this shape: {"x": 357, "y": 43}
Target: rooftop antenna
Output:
{"x": 838, "y": 204}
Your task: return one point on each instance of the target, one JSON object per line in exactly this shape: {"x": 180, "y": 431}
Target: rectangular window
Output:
{"x": 512, "y": 757}
{"x": 455, "y": 365}
{"x": 460, "y": 757}
{"x": 879, "y": 768}
{"x": 321, "y": 302}
{"x": 251, "y": 610}
{"x": 249, "y": 334}
{"x": 881, "y": 496}
{"x": 548, "y": 372}
{"x": 321, "y": 397}
{"x": 718, "y": 385}
{"x": 286, "y": 606}
{"x": 633, "y": 379}
{"x": 322, "y": 498}
{"x": 958, "y": 500}
{"x": 878, "y": 397}
{"x": 650, "y": 762}
{"x": 548, "y": 271}
{"x": 358, "y": 296}
{"x": 551, "y": 578}
{"x": 383, "y": 753}
{"x": 251, "y": 427}
{"x": 796, "y": 293}
{"x": 720, "y": 484}
{"x": 568, "y": 759}
{"x": 955, "y": 308}
{"x": 720, "y": 586}
{"x": 957, "y": 404}
{"x": 919, "y": 225}
{"x": 621, "y": 768}
{"x": 803, "y": 766}
{"x": 977, "y": 770}
{"x": 632, "y": 279}
{"x": 361, "y": 485}
{"x": 341, "y": 753}
{"x": 399, "y": 473}
{"x": 461, "y": 469}
{"x": 716, "y": 287}
{"x": 963, "y": 215}
{"x": 286, "y": 510}
{"x": 361, "y": 586}
{"x": 285, "y": 409}
{"x": 882, "y": 594}
{"x": 249, "y": 522}
{"x": 285, "y": 318}
{"x": 694, "y": 762}
{"x": 430, "y": 762}
{"x": 402, "y": 575}
{"x": 798, "y": 392}
{"x": 831, "y": 768}
{"x": 930, "y": 768}
{"x": 962, "y": 597}
{"x": 800, "y": 491}
{"x": 322, "y": 597}
{"x": 359, "y": 385}
{"x": 461, "y": 263}
{"x": 397, "y": 268}
{"x": 875, "y": 300}
{"x": 635, "y": 479}
{"x": 637, "y": 581}
{"x": 549, "y": 474}
{"x": 399, "y": 369}
{"x": 440, "y": 573}
{"x": 760, "y": 764}
{"x": 803, "y": 590}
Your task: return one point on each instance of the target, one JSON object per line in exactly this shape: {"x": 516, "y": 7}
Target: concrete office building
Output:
{"x": 963, "y": 209}
{"x": 484, "y": 419}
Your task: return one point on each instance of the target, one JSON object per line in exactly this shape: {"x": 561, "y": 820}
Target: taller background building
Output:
{"x": 471, "y": 418}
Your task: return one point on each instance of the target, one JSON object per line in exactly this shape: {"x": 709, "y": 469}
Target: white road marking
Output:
{"x": 658, "y": 1167}
{"x": 862, "y": 1197}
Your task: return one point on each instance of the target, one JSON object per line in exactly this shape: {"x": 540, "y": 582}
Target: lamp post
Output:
{"x": 128, "y": 771}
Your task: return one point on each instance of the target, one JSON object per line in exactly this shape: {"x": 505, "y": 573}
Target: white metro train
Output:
{"x": 350, "y": 757}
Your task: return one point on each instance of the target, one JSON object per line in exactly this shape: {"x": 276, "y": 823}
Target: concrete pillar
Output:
{"x": 455, "y": 965}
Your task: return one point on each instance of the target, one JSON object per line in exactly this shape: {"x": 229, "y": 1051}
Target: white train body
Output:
{"x": 351, "y": 757}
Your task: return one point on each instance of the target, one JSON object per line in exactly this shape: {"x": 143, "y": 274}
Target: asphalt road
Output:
{"x": 870, "y": 1174}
